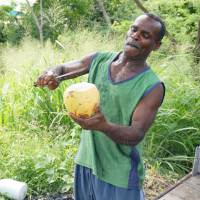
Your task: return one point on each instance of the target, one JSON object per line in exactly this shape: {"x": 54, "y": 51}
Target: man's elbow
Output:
{"x": 136, "y": 138}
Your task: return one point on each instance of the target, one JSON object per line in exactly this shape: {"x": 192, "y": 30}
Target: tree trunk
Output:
{"x": 139, "y": 4}
{"x": 197, "y": 46}
{"x": 41, "y": 22}
{"x": 106, "y": 16}
{"x": 39, "y": 26}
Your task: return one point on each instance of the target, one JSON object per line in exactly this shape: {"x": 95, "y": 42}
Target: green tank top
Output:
{"x": 119, "y": 165}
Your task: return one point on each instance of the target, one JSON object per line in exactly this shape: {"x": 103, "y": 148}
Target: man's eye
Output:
{"x": 145, "y": 35}
{"x": 133, "y": 29}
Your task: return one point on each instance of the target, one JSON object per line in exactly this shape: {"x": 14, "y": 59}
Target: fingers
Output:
{"x": 75, "y": 118}
{"x": 47, "y": 79}
{"x": 78, "y": 120}
{"x": 95, "y": 122}
{"x": 41, "y": 80}
{"x": 97, "y": 109}
{"x": 84, "y": 122}
{"x": 53, "y": 84}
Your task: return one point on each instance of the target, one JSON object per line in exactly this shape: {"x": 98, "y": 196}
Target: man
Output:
{"x": 109, "y": 163}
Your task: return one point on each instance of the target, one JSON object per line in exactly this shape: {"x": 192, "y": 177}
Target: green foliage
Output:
{"x": 121, "y": 27}
{"x": 44, "y": 160}
{"x": 57, "y": 16}
{"x": 38, "y": 140}
{"x": 181, "y": 17}
{"x": 55, "y": 20}
{"x": 11, "y": 29}
{"x": 172, "y": 140}
{"x": 14, "y": 32}
{"x": 118, "y": 10}
{"x": 4, "y": 18}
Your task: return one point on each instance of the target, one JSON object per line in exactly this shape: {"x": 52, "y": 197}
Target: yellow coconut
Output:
{"x": 82, "y": 99}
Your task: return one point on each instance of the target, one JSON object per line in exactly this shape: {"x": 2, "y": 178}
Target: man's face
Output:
{"x": 142, "y": 37}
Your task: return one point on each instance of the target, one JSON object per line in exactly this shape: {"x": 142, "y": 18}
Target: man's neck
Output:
{"x": 133, "y": 64}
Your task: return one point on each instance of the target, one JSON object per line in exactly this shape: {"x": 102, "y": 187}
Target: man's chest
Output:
{"x": 118, "y": 73}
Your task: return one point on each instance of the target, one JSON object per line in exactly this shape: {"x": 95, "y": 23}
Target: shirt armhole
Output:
{"x": 93, "y": 57}
{"x": 152, "y": 87}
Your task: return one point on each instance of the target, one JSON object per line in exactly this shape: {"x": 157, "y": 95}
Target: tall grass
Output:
{"x": 38, "y": 141}
{"x": 43, "y": 159}
{"x": 19, "y": 99}
{"x": 171, "y": 142}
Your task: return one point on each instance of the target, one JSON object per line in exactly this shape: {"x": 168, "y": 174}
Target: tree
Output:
{"x": 38, "y": 24}
{"x": 197, "y": 46}
{"x": 106, "y": 16}
{"x": 4, "y": 18}
{"x": 139, "y": 4}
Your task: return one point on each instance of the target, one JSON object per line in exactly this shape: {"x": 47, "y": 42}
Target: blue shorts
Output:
{"x": 88, "y": 187}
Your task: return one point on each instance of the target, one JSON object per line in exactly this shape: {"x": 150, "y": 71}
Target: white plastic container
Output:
{"x": 13, "y": 189}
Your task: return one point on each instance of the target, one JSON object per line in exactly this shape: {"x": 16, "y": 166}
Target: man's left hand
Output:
{"x": 96, "y": 122}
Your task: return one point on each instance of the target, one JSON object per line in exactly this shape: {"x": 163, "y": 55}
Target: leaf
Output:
{"x": 50, "y": 171}
{"x": 39, "y": 166}
{"x": 185, "y": 129}
{"x": 5, "y": 89}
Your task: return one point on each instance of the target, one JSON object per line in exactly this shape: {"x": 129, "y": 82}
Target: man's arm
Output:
{"x": 142, "y": 120}
{"x": 69, "y": 70}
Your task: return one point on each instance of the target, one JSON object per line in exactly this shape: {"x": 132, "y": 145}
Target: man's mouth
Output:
{"x": 133, "y": 45}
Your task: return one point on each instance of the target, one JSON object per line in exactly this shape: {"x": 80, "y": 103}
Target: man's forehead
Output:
{"x": 147, "y": 22}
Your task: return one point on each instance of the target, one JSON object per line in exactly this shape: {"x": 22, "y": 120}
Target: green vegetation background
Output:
{"x": 38, "y": 140}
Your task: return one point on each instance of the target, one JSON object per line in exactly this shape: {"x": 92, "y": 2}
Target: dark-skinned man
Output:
{"x": 109, "y": 163}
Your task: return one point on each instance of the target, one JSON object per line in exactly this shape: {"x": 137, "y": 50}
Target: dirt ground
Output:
{"x": 155, "y": 184}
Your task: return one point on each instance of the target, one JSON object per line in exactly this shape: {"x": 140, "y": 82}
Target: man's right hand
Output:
{"x": 52, "y": 77}
{"x": 48, "y": 79}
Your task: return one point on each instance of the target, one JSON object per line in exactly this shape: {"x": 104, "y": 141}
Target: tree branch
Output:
{"x": 139, "y": 4}
{"x": 102, "y": 8}
{"x": 197, "y": 46}
{"x": 41, "y": 22}
{"x": 39, "y": 26}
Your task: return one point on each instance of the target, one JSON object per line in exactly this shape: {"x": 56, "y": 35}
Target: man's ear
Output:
{"x": 157, "y": 45}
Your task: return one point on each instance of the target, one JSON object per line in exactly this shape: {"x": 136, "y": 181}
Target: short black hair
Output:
{"x": 158, "y": 19}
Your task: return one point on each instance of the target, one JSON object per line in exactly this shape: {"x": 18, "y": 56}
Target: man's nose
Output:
{"x": 135, "y": 35}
